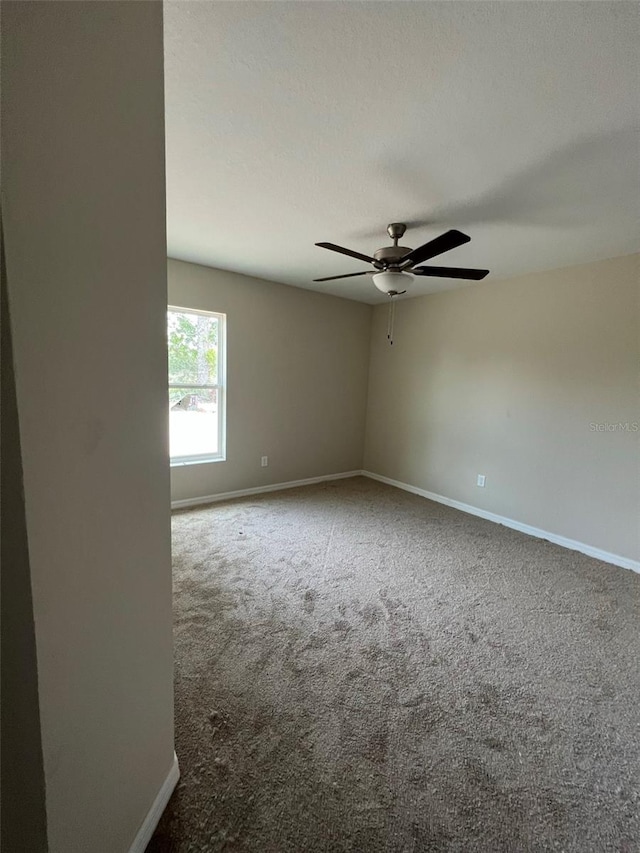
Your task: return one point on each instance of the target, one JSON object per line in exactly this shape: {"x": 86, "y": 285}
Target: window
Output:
{"x": 196, "y": 386}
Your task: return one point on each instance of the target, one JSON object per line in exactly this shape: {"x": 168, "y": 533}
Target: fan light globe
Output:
{"x": 391, "y": 282}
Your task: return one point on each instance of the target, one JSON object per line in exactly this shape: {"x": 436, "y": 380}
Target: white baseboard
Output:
{"x": 572, "y": 544}
{"x": 258, "y": 490}
{"x": 155, "y": 812}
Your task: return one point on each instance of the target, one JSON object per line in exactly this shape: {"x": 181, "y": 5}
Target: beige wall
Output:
{"x": 297, "y": 365}
{"x": 504, "y": 379}
{"x": 84, "y": 224}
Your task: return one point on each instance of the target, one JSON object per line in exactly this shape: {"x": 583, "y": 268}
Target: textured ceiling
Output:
{"x": 290, "y": 123}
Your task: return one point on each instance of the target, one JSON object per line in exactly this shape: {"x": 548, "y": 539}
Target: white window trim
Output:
{"x": 221, "y": 387}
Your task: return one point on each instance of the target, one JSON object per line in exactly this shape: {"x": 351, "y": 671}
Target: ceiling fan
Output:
{"x": 394, "y": 266}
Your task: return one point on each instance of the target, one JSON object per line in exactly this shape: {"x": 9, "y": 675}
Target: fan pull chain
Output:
{"x": 392, "y": 311}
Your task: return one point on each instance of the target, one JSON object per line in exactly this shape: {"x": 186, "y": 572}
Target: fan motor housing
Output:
{"x": 391, "y": 255}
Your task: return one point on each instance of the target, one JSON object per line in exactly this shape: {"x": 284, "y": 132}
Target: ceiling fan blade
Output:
{"x": 451, "y": 272}
{"x": 443, "y": 243}
{"x": 346, "y": 275}
{"x": 350, "y": 252}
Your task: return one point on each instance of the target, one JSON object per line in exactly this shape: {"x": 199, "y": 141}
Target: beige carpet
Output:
{"x": 359, "y": 669}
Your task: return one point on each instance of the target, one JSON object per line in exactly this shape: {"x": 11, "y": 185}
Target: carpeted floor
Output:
{"x": 360, "y": 669}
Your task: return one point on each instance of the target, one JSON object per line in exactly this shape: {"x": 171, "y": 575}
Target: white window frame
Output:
{"x": 220, "y": 387}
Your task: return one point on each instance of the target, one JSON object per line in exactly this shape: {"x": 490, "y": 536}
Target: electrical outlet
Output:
{"x": 480, "y": 481}
{"x": 264, "y": 461}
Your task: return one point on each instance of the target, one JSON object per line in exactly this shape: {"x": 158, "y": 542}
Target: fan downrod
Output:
{"x": 396, "y": 230}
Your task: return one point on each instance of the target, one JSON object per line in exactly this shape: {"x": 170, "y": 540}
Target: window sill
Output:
{"x": 204, "y": 460}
